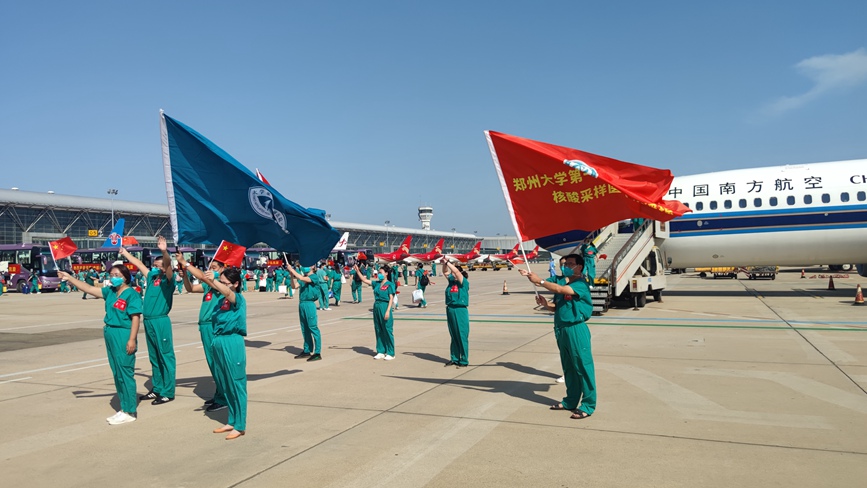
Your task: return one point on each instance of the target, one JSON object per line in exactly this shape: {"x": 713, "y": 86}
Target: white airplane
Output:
{"x": 792, "y": 215}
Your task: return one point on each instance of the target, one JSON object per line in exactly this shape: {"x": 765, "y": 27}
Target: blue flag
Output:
{"x": 212, "y": 197}
{"x": 115, "y": 238}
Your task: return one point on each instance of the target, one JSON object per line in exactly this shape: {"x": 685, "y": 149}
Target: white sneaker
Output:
{"x": 379, "y": 356}
{"x": 329, "y": 308}
{"x": 116, "y": 414}
{"x": 388, "y": 358}
{"x": 561, "y": 379}
{"x": 123, "y": 418}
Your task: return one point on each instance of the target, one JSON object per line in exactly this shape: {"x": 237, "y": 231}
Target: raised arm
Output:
{"x": 90, "y": 289}
{"x": 449, "y": 268}
{"x": 298, "y": 276}
{"x": 167, "y": 260}
{"x": 134, "y": 261}
{"x": 361, "y": 275}
{"x": 188, "y": 285}
{"x": 208, "y": 277}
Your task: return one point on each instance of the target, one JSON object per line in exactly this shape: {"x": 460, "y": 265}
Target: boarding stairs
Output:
{"x": 625, "y": 255}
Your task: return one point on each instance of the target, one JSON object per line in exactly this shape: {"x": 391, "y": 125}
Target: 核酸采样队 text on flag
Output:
{"x": 551, "y": 189}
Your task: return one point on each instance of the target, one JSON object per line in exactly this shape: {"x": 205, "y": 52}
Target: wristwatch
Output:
{"x": 187, "y": 265}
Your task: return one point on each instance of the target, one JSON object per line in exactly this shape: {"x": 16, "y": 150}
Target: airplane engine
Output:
{"x": 862, "y": 269}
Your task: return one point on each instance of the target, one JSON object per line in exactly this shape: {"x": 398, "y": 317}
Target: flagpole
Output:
{"x": 508, "y": 201}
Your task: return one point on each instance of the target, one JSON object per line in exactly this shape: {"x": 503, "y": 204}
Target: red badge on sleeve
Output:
{"x": 383, "y": 287}
{"x": 158, "y": 281}
{"x": 208, "y": 297}
{"x": 567, "y": 297}
{"x": 120, "y": 304}
{"x": 226, "y": 305}
{"x": 454, "y": 289}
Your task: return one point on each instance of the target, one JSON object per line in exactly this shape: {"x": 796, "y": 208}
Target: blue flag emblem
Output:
{"x": 212, "y": 197}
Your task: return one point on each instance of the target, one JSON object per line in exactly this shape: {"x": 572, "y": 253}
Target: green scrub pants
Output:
{"x": 323, "y": 296}
{"x": 230, "y": 364}
{"x": 336, "y": 288}
{"x": 384, "y": 329}
{"x": 577, "y": 361}
{"x": 423, "y": 302}
{"x": 356, "y": 291}
{"x": 310, "y": 327}
{"x": 122, "y": 366}
{"x": 161, "y": 352}
{"x": 590, "y": 270}
{"x": 269, "y": 284}
{"x": 243, "y": 283}
{"x": 459, "y": 329}
{"x": 206, "y": 331}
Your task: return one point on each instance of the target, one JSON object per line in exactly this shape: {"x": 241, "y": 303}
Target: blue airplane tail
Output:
{"x": 115, "y": 238}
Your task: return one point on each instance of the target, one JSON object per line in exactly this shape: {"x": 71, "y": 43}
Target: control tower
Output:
{"x": 424, "y": 215}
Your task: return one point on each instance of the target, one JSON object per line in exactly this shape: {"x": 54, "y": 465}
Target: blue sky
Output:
{"x": 369, "y": 109}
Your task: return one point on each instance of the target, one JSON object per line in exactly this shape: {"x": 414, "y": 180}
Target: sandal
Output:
{"x": 579, "y": 414}
{"x": 558, "y": 406}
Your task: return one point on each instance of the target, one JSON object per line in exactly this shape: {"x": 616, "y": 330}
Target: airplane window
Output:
{"x": 757, "y": 202}
{"x": 826, "y": 198}
{"x": 808, "y": 199}
{"x": 790, "y": 200}
{"x": 772, "y": 201}
{"x": 844, "y": 197}
{"x": 699, "y": 206}
{"x": 727, "y": 204}
{"x": 861, "y": 196}
{"x": 685, "y": 204}
{"x": 713, "y": 205}
{"x": 742, "y": 203}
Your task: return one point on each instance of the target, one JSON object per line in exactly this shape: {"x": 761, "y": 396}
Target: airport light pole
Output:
{"x": 386, "y": 235}
{"x": 112, "y": 192}
{"x": 453, "y": 239}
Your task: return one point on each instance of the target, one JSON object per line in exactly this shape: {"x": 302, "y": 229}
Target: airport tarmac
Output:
{"x": 726, "y": 383}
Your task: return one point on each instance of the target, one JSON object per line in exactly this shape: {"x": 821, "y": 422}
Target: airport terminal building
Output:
{"x": 41, "y": 217}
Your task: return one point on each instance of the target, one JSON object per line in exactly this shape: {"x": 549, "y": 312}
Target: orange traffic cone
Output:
{"x": 505, "y": 288}
{"x": 859, "y": 296}
{"x": 831, "y": 283}
{"x": 802, "y": 274}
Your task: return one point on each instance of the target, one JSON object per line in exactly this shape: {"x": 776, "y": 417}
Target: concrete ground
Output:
{"x": 726, "y": 383}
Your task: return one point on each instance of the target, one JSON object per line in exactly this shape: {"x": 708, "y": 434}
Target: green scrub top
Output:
{"x": 159, "y": 294}
{"x": 336, "y": 275}
{"x": 230, "y": 318}
{"x": 382, "y": 290}
{"x": 418, "y": 273}
{"x": 573, "y": 309}
{"x": 210, "y": 301}
{"x": 309, "y": 292}
{"x": 457, "y": 294}
{"x": 120, "y": 309}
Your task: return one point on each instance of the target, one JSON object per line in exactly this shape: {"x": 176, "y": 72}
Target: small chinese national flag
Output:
{"x": 62, "y": 248}
{"x": 231, "y": 254}
{"x": 552, "y": 189}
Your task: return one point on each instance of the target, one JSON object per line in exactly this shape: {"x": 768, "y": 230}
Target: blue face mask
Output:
{"x": 380, "y": 276}
{"x": 155, "y": 269}
{"x": 567, "y": 271}
{"x": 116, "y": 281}
{"x": 216, "y": 275}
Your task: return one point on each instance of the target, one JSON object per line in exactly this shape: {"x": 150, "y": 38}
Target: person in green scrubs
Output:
{"x": 243, "y": 279}
{"x": 336, "y": 285}
{"x": 405, "y": 273}
{"x": 356, "y": 288}
{"x": 229, "y": 322}
{"x": 588, "y": 252}
{"x": 433, "y": 268}
{"x": 457, "y": 314}
{"x": 383, "y": 321}
{"x": 308, "y": 293}
{"x": 123, "y": 310}
{"x": 34, "y": 284}
{"x": 421, "y": 282}
{"x": 322, "y": 273}
{"x": 289, "y": 280}
{"x": 572, "y": 306}
{"x": 158, "y": 298}
{"x": 210, "y": 301}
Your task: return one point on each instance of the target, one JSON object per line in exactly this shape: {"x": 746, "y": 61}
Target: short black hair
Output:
{"x": 234, "y": 277}
{"x": 579, "y": 259}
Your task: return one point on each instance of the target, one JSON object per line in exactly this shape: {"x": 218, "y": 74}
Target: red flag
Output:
{"x": 361, "y": 257}
{"x": 62, "y": 248}
{"x": 551, "y": 189}
{"x": 231, "y": 254}
{"x": 261, "y": 177}
{"x": 128, "y": 241}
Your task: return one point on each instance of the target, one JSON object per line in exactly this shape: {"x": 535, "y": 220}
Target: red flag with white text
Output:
{"x": 62, "y": 248}
{"x": 551, "y": 189}
{"x": 231, "y": 254}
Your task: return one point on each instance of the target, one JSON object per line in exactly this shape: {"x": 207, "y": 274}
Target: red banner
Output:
{"x": 551, "y": 189}
{"x": 86, "y": 266}
{"x": 14, "y": 268}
